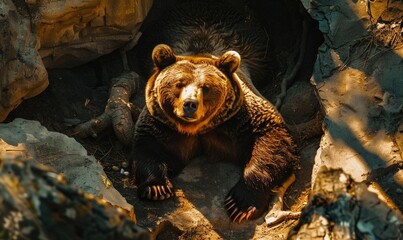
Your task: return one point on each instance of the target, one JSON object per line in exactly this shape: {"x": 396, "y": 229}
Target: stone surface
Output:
{"x": 358, "y": 79}
{"x": 39, "y": 204}
{"x": 300, "y": 104}
{"x": 30, "y": 140}
{"x": 74, "y": 32}
{"x": 22, "y": 73}
{"x": 59, "y": 34}
{"x": 340, "y": 208}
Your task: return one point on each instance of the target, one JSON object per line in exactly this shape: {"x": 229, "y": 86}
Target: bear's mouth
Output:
{"x": 186, "y": 117}
{"x": 189, "y": 119}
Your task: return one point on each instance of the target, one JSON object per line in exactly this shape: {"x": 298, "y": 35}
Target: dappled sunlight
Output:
{"x": 398, "y": 52}
{"x": 359, "y": 139}
{"x": 358, "y": 77}
{"x": 188, "y": 216}
{"x": 344, "y": 93}
{"x": 9, "y": 151}
{"x": 383, "y": 144}
{"x": 352, "y": 102}
{"x": 341, "y": 149}
{"x": 198, "y": 209}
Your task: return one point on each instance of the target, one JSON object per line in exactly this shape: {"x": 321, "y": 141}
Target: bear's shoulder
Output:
{"x": 263, "y": 115}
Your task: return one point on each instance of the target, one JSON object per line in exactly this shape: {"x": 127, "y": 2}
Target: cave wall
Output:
{"x": 358, "y": 78}
{"x": 22, "y": 73}
{"x": 58, "y": 34}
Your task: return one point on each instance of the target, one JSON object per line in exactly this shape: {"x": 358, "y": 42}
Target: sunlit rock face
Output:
{"x": 58, "y": 34}
{"x": 358, "y": 79}
{"x": 22, "y": 73}
{"x": 30, "y": 141}
{"x": 73, "y": 32}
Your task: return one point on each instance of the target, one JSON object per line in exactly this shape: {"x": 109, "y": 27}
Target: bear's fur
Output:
{"x": 204, "y": 104}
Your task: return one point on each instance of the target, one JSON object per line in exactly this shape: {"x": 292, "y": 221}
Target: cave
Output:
{"x": 78, "y": 91}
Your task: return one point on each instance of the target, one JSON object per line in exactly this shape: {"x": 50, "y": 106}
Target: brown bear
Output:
{"x": 200, "y": 102}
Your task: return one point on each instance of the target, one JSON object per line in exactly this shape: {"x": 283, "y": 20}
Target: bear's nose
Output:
{"x": 190, "y": 107}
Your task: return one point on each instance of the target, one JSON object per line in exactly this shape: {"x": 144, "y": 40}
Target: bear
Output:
{"x": 201, "y": 100}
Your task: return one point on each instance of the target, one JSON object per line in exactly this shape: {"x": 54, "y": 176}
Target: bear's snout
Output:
{"x": 190, "y": 103}
{"x": 190, "y": 107}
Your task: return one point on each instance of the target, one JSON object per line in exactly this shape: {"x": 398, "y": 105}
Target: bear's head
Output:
{"x": 193, "y": 93}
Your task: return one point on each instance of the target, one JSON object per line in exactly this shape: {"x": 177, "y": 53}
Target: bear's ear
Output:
{"x": 163, "y": 56}
{"x": 229, "y": 62}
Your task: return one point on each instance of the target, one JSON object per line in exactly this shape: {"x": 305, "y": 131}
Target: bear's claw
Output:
{"x": 157, "y": 192}
{"x": 236, "y": 214}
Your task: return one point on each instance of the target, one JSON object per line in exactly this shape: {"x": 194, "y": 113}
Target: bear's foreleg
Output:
{"x": 152, "y": 168}
{"x": 271, "y": 163}
{"x": 152, "y": 165}
{"x": 151, "y": 175}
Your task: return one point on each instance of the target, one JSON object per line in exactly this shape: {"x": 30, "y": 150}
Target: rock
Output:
{"x": 74, "y": 32}
{"x": 30, "y": 140}
{"x": 340, "y": 208}
{"x": 22, "y": 73}
{"x": 354, "y": 64}
{"x": 302, "y": 112}
{"x": 38, "y": 203}
{"x": 59, "y": 34}
{"x": 125, "y": 164}
{"x": 300, "y": 105}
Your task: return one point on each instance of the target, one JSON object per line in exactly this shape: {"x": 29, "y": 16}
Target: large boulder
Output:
{"x": 340, "y": 208}
{"x": 31, "y": 141}
{"x": 22, "y": 73}
{"x": 74, "y": 32}
{"x": 39, "y": 204}
{"x": 58, "y": 34}
{"x": 358, "y": 80}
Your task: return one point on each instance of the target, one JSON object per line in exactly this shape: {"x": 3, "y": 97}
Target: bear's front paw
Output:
{"x": 155, "y": 192}
{"x": 243, "y": 203}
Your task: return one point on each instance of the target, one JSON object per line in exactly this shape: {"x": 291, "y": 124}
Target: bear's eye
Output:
{"x": 179, "y": 85}
{"x": 206, "y": 89}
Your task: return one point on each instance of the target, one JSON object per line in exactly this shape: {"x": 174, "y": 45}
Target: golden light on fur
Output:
{"x": 190, "y": 93}
{"x": 200, "y": 79}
